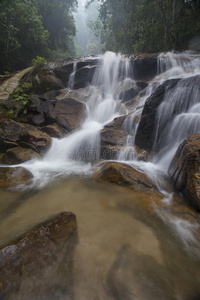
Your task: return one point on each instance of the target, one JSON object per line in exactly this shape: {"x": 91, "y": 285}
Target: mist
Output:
{"x": 86, "y": 42}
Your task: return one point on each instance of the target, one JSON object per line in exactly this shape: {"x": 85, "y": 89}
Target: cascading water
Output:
{"x": 72, "y": 76}
{"x": 123, "y": 252}
{"x": 74, "y": 153}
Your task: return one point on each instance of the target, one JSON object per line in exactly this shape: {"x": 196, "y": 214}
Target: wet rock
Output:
{"x": 55, "y": 75}
{"x": 128, "y": 95}
{"x": 10, "y": 130}
{"x": 39, "y": 254}
{"x": 35, "y": 139}
{"x": 84, "y": 76}
{"x": 53, "y": 130}
{"x": 68, "y": 113}
{"x": 141, "y": 154}
{"x": 46, "y": 80}
{"x": 184, "y": 170}
{"x": 38, "y": 119}
{"x": 12, "y": 177}
{"x": 18, "y": 155}
{"x": 113, "y": 138}
{"x": 146, "y": 130}
{"x": 145, "y": 68}
{"x": 124, "y": 175}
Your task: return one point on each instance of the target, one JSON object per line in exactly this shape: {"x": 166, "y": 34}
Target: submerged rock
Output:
{"x": 12, "y": 177}
{"x": 44, "y": 253}
{"x": 124, "y": 175}
{"x": 184, "y": 170}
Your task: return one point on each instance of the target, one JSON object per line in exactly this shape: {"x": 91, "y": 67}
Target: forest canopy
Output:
{"x": 35, "y": 28}
{"x": 46, "y": 28}
{"x": 133, "y": 26}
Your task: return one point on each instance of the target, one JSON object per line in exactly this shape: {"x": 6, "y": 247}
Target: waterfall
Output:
{"x": 72, "y": 76}
{"x": 177, "y": 117}
{"x": 74, "y": 153}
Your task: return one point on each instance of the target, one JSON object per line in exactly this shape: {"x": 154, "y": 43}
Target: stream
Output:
{"x": 123, "y": 251}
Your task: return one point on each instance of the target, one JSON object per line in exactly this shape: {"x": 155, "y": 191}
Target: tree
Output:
{"x": 132, "y": 26}
{"x": 58, "y": 20}
{"x": 22, "y": 35}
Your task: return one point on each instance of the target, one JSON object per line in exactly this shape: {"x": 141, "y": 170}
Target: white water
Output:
{"x": 74, "y": 153}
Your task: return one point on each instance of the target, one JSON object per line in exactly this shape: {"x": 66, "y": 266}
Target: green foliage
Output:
{"x": 132, "y": 26}
{"x": 30, "y": 28}
{"x": 21, "y": 100}
{"x": 38, "y": 60}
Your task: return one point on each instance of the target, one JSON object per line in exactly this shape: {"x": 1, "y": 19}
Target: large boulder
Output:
{"x": 184, "y": 170}
{"x": 123, "y": 174}
{"x": 44, "y": 251}
{"x": 68, "y": 113}
{"x": 113, "y": 138}
{"x": 10, "y": 130}
{"x": 145, "y": 135}
{"x": 144, "y": 67}
{"x": 56, "y": 75}
{"x": 12, "y": 177}
{"x": 83, "y": 77}
{"x": 18, "y": 155}
{"x": 35, "y": 139}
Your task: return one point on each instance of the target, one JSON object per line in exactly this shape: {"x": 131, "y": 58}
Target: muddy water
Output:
{"x": 123, "y": 252}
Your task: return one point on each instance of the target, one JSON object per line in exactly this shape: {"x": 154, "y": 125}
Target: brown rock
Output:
{"x": 36, "y": 139}
{"x": 46, "y": 80}
{"x": 12, "y": 177}
{"x": 10, "y": 130}
{"x": 123, "y": 174}
{"x": 53, "y": 130}
{"x": 68, "y": 113}
{"x": 39, "y": 254}
{"x": 18, "y": 155}
{"x": 113, "y": 138}
{"x": 184, "y": 170}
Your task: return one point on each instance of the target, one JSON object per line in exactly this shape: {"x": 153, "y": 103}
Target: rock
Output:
{"x": 68, "y": 113}
{"x": 128, "y": 95}
{"x": 43, "y": 252}
{"x": 144, "y": 68}
{"x": 7, "y": 87}
{"x": 113, "y": 138}
{"x": 12, "y": 177}
{"x": 10, "y": 130}
{"x": 38, "y": 119}
{"x": 18, "y": 155}
{"x": 45, "y": 80}
{"x": 146, "y": 129}
{"x": 124, "y": 175}
{"x": 184, "y": 170}
{"x": 55, "y": 75}
{"x": 141, "y": 154}
{"x": 35, "y": 139}
{"x": 53, "y": 130}
{"x": 83, "y": 77}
